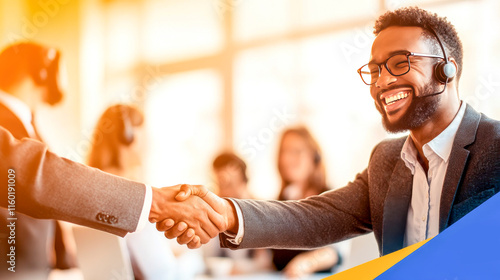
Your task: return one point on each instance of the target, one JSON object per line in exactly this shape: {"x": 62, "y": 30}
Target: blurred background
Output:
{"x": 214, "y": 75}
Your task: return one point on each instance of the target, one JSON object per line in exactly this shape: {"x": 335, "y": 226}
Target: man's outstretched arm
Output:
{"x": 309, "y": 223}
{"x": 38, "y": 183}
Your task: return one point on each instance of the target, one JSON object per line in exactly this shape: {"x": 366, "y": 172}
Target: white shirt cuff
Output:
{"x": 146, "y": 208}
{"x": 238, "y": 238}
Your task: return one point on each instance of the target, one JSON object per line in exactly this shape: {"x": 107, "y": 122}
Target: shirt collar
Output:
{"x": 18, "y": 107}
{"x": 441, "y": 145}
{"x": 409, "y": 154}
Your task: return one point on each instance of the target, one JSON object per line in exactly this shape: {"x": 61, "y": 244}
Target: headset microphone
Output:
{"x": 444, "y": 71}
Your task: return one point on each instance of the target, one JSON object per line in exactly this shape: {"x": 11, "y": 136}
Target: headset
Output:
{"x": 127, "y": 134}
{"x": 445, "y": 70}
{"x": 48, "y": 63}
{"x": 317, "y": 158}
{"x": 48, "y": 75}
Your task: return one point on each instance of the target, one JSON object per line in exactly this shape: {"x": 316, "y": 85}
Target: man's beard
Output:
{"x": 421, "y": 109}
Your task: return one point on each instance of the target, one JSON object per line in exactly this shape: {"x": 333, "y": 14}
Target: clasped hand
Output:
{"x": 191, "y": 213}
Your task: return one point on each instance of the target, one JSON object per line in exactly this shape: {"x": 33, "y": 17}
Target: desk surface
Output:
{"x": 75, "y": 274}
{"x": 262, "y": 276}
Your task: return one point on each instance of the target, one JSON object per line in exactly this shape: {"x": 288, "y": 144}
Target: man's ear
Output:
{"x": 452, "y": 60}
{"x": 454, "y": 82}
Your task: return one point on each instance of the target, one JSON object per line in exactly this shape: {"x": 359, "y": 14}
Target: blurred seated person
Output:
{"x": 118, "y": 148}
{"x": 302, "y": 174}
{"x": 29, "y": 79}
{"x": 231, "y": 178}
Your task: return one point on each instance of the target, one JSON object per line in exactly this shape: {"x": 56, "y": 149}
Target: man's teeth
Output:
{"x": 393, "y": 98}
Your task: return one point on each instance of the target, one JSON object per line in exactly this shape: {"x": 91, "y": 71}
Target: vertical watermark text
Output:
{"x": 11, "y": 220}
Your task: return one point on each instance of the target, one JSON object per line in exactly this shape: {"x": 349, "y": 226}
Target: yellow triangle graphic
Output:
{"x": 374, "y": 268}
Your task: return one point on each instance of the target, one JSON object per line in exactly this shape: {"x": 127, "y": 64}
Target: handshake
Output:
{"x": 192, "y": 214}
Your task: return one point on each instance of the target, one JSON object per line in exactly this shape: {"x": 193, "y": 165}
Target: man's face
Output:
{"x": 230, "y": 181}
{"x": 400, "y": 100}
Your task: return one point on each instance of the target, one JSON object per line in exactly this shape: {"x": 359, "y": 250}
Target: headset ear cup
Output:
{"x": 127, "y": 135}
{"x": 449, "y": 70}
{"x": 49, "y": 57}
{"x": 42, "y": 76}
{"x": 445, "y": 72}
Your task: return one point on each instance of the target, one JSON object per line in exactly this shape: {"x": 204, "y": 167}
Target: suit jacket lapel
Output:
{"x": 396, "y": 206}
{"x": 466, "y": 135}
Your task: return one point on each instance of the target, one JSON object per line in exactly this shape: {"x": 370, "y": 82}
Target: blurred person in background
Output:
{"x": 118, "y": 148}
{"x": 231, "y": 177}
{"x": 302, "y": 175}
{"x": 118, "y": 142}
{"x": 29, "y": 79}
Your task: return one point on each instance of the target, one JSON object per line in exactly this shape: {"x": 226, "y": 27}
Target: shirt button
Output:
{"x": 423, "y": 219}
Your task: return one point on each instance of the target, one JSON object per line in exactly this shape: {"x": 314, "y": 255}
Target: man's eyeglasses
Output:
{"x": 396, "y": 65}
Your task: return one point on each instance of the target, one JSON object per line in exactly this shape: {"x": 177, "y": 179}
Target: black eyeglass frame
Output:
{"x": 408, "y": 54}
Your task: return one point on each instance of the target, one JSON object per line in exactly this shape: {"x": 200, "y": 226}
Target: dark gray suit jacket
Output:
{"x": 378, "y": 199}
{"x": 50, "y": 187}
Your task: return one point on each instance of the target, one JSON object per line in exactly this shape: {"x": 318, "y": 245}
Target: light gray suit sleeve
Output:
{"x": 313, "y": 222}
{"x": 50, "y": 187}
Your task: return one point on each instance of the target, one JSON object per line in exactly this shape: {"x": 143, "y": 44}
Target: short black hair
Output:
{"x": 414, "y": 16}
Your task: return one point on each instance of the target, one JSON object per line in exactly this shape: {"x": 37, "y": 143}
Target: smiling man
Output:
{"x": 414, "y": 187}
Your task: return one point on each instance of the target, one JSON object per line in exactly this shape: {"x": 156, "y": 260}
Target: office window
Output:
{"x": 184, "y": 128}
{"x": 322, "y": 12}
{"x": 258, "y": 18}
{"x": 123, "y": 28}
{"x": 174, "y": 30}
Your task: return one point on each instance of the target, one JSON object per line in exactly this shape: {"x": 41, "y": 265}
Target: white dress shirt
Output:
{"x": 236, "y": 239}
{"x": 20, "y": 109}
{"x": 146, "y": 208}
{"x": 423, "y": 213}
